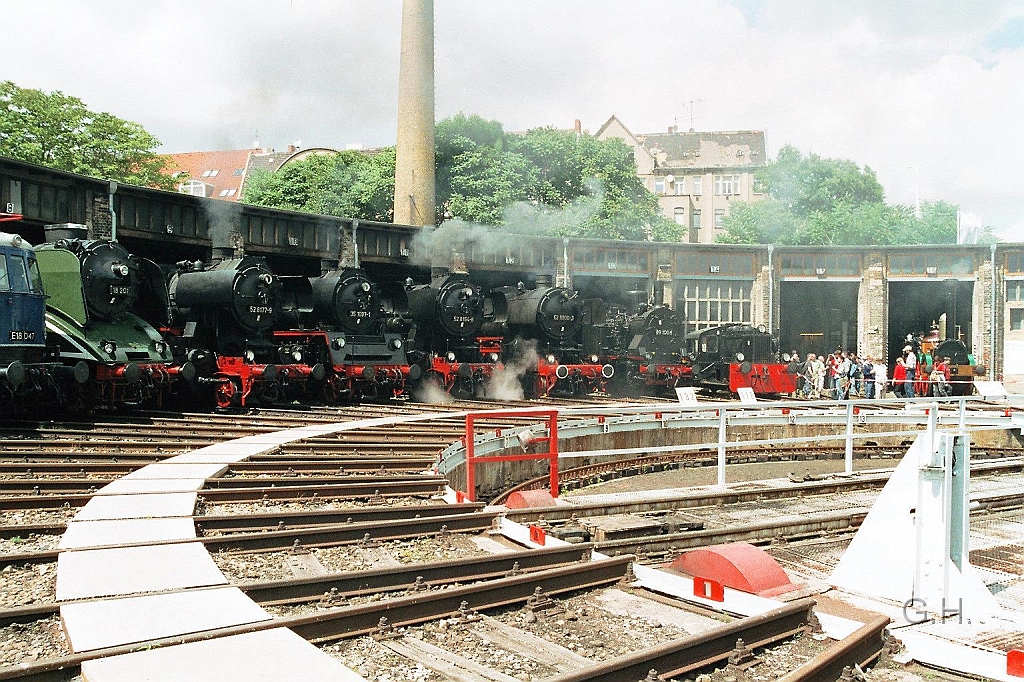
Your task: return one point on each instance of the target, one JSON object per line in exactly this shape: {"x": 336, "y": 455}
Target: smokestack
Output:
{"x": 578, "y": 127}
{"x": 414, "y": 148}
{"x": 545, "y": 281}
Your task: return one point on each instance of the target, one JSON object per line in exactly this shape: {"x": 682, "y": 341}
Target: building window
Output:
{"x": 709, "y": 303}
{"x": 659, "y": 185}
{"x": 210, "y": 173}
{"x": 719, "y": 218}
{"x": 679, "y": 215}
{"x": 727, "y": 184}
{"x": 196, "y": 188}
{"x": 1015, "y": 290}
{"x": 238, "y": 172}
{"x": 227, "y": 193}
{"x": 697, "y": 183}
{"x": 680, "y": 186}
{"x": 1017, "y": 319}
{"x": 695, "y": 221}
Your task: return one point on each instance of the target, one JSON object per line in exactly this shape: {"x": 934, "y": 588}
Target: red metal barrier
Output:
{"x": 551, "y": 454}
{"x": 1015, "y": 663}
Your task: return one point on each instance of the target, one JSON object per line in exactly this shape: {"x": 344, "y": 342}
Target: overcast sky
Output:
{"x": 926, "y": 93}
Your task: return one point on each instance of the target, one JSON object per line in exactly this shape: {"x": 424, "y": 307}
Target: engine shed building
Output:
{"x": 813, "y": 298}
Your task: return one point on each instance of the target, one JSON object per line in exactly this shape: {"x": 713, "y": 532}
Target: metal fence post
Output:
{"x": 721, "y": 446}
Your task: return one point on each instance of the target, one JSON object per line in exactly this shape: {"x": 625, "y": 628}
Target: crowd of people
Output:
{"x": 843, "y": 375}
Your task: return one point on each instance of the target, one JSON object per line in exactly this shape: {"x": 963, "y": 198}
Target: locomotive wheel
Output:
{"x": 227, "y": 393}
{"x": 333, "y": 388}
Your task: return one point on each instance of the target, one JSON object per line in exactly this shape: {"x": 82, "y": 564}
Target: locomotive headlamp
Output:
{"x": 786, "y": 357}
{"x": 551, "y": 359}
{"x": 109, "y": 347}
{"x": 338, "y": 342}
{"x": 450, "y": 356}
{"x": 119, "y": 269}
{"x": 396, "y": 344}
{"x": 249, "y": 356}
{"x": 297, "y": 354}
{"x": 739, "y": 357}
{"x": 267, "y": 278}
{"x": 493, "y": 357}
{"x": 593, "y": 358}
{"x": 16, "y": 241}
{"x": 160, "y": 347}
{"x": 366, "y": 287}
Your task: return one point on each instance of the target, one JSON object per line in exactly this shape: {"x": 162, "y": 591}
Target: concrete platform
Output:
{"x": 84, "y": 534}
{"x": 111, "y": 572}
{"x": 277, "y": 655}
{"x": 138, "y": 506}
{"x": 114, "y": 622}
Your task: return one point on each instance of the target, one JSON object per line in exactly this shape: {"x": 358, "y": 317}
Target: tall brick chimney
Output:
{"x": 414, "y": 148}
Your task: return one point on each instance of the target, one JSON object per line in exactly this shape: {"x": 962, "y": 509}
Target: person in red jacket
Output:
{"x": 899, "y": 378}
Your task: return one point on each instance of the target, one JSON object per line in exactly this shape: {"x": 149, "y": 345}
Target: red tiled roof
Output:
{"x": 226, "y": 182}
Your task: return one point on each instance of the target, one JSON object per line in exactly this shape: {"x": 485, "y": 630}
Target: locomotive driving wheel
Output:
{"x": 227, "y": 393}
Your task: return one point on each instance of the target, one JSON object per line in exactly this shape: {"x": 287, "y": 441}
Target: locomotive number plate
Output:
{"x": 261, "y": 309}
{"x": 359, "y": 313}
{"x": 22, "y": 335}
{"x": 120, "y": 290}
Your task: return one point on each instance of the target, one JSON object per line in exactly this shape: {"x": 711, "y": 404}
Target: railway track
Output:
{"x": 310, "y": 506}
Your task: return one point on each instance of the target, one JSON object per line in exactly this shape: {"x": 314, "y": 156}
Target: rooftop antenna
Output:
{"x": 689, "y": 105}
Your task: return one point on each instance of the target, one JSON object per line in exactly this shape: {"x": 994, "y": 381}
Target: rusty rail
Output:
{"x": 860, "y": 648}
{"x": 686, "y": 654}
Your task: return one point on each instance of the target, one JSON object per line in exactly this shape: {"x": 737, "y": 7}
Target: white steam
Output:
{"x": 506, "y": 382}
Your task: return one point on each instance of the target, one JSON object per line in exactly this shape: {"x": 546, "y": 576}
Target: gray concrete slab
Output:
{"x": 111, "y": 572}
{"x": 114, "y": 622}
{"x": 277, "y": 655}
{"x": 130, "y": 486}
{"x": 106, "y": 507}
{"x": 177, "y": 471}
{"x": 85, "y": 534}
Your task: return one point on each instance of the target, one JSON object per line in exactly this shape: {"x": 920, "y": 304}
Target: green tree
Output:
{"x": 543, "y": 181}
{"x": 816, "y": 201}
{"x": 59, "y": 131}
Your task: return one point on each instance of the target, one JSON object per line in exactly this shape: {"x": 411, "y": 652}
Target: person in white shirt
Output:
{"x": 880, "y": 378}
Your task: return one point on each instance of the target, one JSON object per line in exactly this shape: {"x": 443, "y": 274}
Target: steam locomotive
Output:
{"x": 446, "y": 318}
{"x": 734, "y": 356}
{"x": 545, "y": 325}
{"x": 646, "y": 347}
{"x": 93, "y": 286}
{"x": 223, "y": 317}
{"x": 348, "y": 331}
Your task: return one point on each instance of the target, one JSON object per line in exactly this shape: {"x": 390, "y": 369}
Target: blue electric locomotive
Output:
{"x": 30, "y": 371}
